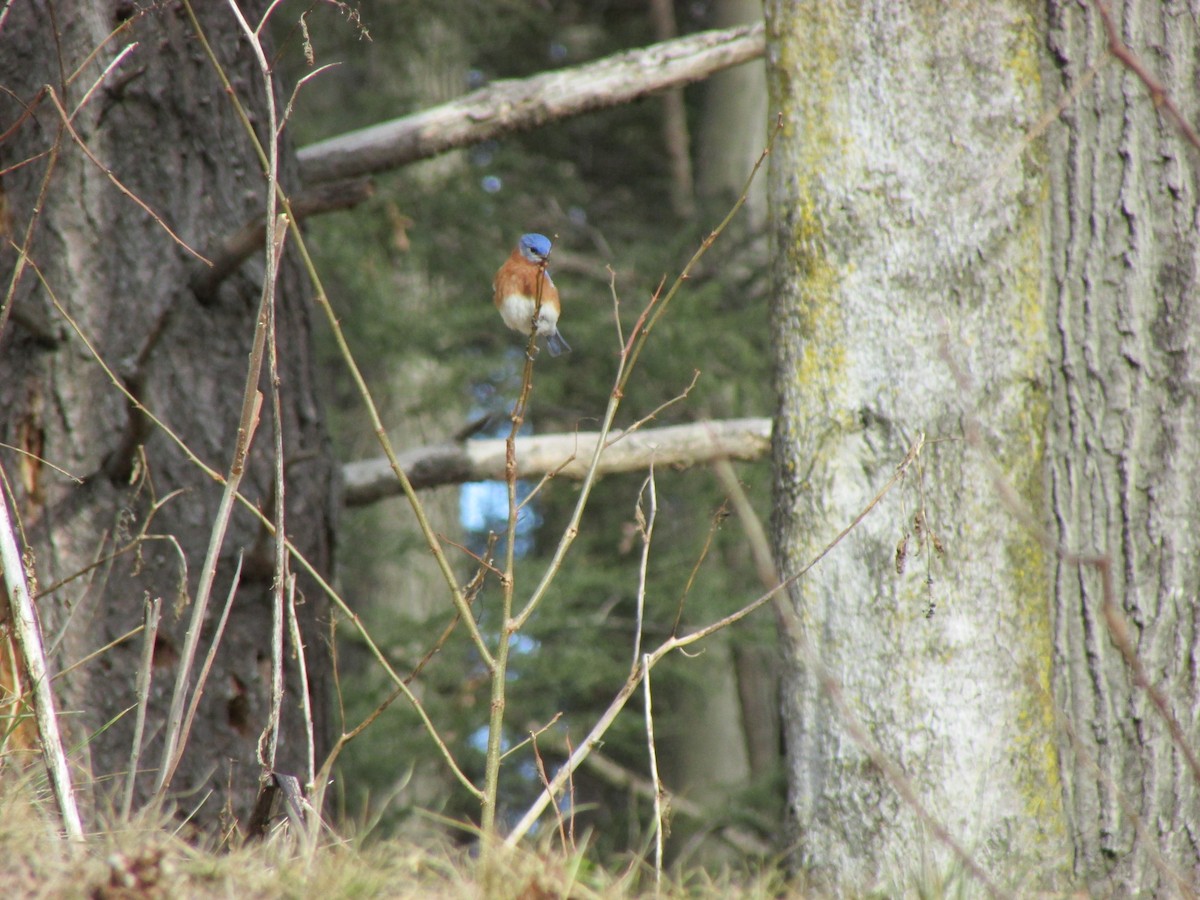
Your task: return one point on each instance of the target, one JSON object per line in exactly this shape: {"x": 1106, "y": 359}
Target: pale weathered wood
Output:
{"x": 566, "y": 455}
{"x": 518, "y": 104}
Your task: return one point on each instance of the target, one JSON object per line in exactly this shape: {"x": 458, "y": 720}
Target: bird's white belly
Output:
{"x": 517, "y": 312}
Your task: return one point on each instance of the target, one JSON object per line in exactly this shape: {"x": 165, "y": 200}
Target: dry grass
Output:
{"x": 149, "y": 859}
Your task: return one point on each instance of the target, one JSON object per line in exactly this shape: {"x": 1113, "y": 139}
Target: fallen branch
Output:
{"x": 512, "y": 105}
{"x": 369, "y": 480}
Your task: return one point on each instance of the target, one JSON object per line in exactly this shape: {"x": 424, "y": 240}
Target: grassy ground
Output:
{"x": 149, "y": 859}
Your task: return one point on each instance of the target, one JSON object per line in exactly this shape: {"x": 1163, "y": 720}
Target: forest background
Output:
{"x": 958, "y": 297}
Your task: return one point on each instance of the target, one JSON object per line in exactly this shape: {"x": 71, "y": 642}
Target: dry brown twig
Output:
{"x": 87, "y": 151}
{"x": 1159, "y": 95}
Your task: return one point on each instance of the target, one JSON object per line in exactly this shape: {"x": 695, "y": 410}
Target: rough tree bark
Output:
{"x": 1124, "y": 479}
{"x": 902, "y": 219}
{"x": 161, "y": 122}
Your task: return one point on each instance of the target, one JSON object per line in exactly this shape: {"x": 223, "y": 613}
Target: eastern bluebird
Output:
{"x": 516, "y": 291}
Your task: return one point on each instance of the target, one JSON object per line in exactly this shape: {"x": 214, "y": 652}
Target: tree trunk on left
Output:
{"x": 137, "y": 525}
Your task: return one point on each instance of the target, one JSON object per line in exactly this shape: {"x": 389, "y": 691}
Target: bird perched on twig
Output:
{"x": 516, "y": 292}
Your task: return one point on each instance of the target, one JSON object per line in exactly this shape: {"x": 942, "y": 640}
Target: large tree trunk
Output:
{"x": 161, "y": 122}
{"x": 1124, "y": 479}
{"x": 900, "y": 214}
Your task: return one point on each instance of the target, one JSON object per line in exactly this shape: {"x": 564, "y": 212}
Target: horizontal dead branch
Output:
{"x": 563, "y": 454}
{"x": 513, "y": 105}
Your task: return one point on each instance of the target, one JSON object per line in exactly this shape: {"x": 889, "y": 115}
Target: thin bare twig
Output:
{"x": 87, "y": 151}
{"x": 116, "y": 61}
{"x": 645, "y": 525}
{"x": 252, "y": 401}
{"x": 185, "y": 724}
{"x": 659, "y": 813}
{"x": 533, "y": 736}
{"x": 100, "y": 651}
{"x": 310, "y": 756}
{"x": 756, "y": 535}
{"x": 676, "y": 642}
{"x": 150, "y": 618}
{"x": 714, "y": 524}
{"x": 508, "y": 628}
{"x": 270, "y": 740}
{"x": 472, "y": 589}
{"x": 1158, "y": 92}
{"x": 653, "y": 414}
{"x": 558, "y": 816}
{"x": 641, "y": 334}
{"x": 23, "y": 258}
{"x": 41, "y": 461}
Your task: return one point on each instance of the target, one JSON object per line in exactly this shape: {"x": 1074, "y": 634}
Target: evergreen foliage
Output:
{"x": 410, "y": 274}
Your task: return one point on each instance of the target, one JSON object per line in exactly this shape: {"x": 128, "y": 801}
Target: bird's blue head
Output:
{"x": 534, "y": 247}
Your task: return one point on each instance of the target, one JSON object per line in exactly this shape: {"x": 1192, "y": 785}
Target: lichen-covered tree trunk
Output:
{"x": 1124, "y": 477}
{"x": 907, "y": 215}
{"x": 136, "y": 523}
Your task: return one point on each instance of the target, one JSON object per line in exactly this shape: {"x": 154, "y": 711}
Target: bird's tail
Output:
{"x": 556, "y": 345}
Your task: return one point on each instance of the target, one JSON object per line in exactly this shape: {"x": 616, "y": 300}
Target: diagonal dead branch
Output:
{"x": 514, "y": 105}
